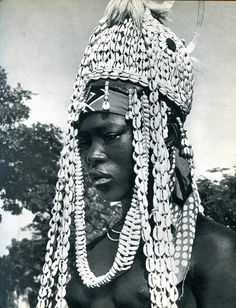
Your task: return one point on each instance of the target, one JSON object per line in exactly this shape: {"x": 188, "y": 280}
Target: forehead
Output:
{"x": 98, "y": 120}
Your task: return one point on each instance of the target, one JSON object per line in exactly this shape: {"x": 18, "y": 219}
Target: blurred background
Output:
{"x": 41, "y": 45}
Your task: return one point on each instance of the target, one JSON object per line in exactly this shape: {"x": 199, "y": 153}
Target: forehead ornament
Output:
{"x": 106, "y": 104}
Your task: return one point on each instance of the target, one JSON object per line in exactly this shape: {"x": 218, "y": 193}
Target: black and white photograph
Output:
{"x": 117, "y": 154}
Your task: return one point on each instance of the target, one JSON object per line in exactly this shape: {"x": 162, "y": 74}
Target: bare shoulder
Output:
{"x": 214, "y": 241}
{"x": 213, "y": 268}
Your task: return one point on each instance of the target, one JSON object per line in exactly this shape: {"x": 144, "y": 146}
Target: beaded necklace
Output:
{"x": 112, "y": 233}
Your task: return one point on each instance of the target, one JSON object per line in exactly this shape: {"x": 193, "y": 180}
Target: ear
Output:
{"x": 173, "y": 138}
{"x": 183, "y": 179}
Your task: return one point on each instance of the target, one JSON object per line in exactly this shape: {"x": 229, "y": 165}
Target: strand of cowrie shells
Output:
{"x": 68, "y": 208}
{"x": 63, "y": 244}
{"x": 174, "y": 208}
{"x": 161, "y": 281}
{"x": 141, "y": 169}
{"x": 168, "y": 285}
{"x": 146, "y": 127}
{"x": 141, "y": 165}
{"x": 162, "y": 235}
{"x": 128, "y": 242}
{"x": 52, "y": 259}
{"x": 58, "y": 243}
{"x": 155, "y": 295}
{"x": 187, "y": 225}
{"x": 184, "y": 219}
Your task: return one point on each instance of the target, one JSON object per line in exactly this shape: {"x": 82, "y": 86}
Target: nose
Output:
{"x": 95, "y": 154}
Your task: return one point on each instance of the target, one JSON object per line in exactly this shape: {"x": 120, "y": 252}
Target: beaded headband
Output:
{"x": 107, "y": 100}
{"x": 130, "y": 45}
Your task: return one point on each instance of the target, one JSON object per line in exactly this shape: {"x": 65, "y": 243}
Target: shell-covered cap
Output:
{"x": 148, "y": 54}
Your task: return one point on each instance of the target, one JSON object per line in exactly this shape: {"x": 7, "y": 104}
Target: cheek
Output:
{"x": 123, "y": 178}
{"x": 83, "y": 161}
{"x": 125, "y": 163}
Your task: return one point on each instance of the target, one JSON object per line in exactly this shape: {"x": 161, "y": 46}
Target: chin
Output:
{"x": 113, "y": 195}
{"x": 110, "y": 197}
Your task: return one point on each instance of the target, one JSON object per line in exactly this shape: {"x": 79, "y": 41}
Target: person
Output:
{"x": 126, "y": 127}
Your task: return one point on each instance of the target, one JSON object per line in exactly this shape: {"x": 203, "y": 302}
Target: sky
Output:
{"x": 42, "y": 42}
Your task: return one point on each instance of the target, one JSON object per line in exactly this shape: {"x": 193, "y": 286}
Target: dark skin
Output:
{"x": 106, "y": 145}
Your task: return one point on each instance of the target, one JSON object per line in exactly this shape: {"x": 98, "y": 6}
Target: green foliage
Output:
{"x": 219, "y": 199}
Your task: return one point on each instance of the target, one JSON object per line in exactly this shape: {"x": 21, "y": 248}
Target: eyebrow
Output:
{"x": 100, "y": 129}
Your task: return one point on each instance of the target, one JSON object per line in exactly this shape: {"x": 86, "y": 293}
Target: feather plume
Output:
{"x": 200, "y": 16}
{"x": 118, "y": 10}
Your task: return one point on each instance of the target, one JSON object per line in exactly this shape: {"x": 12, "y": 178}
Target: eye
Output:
{"x": 110, "y": 137}
{"x": 83, "y": 143}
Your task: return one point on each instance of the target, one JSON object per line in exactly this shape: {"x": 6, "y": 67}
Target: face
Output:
{"x": 105, "y": 142}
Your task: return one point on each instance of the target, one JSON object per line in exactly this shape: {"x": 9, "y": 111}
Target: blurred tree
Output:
{"x": 28, "y": 154}
{"x": 29, "y": 158}
{"x": 28, "y": 172}
{"x": 219, "y": 198}
{"x": 12, "y": 108}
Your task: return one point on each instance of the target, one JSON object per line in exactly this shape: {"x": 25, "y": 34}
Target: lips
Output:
{"x": 99, "y": 178}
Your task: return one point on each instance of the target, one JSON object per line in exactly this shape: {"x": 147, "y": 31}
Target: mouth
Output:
{"x": 99, "y": 178}
{"x": 101, "y": 181}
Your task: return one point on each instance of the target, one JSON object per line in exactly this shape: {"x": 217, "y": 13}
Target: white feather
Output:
{"x": 118, "y": 10}
{"x": 200, "y": 16}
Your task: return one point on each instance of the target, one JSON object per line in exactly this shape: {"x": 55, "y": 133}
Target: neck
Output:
{"x": 126, "y": 202}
